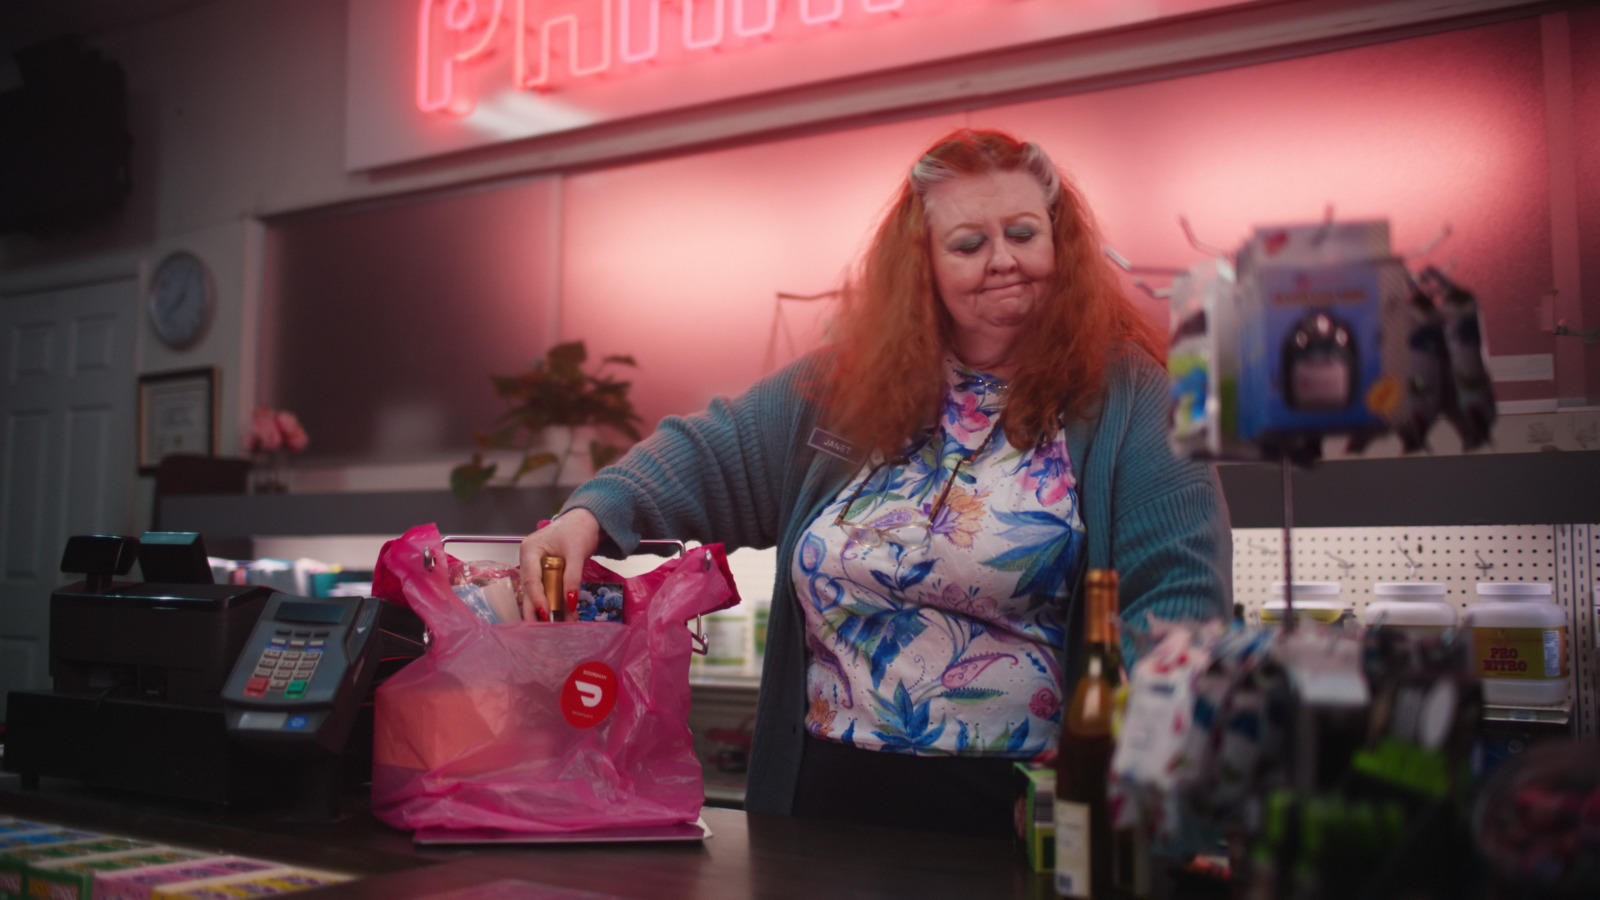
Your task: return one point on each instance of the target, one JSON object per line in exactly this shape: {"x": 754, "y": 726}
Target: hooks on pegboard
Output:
{"x": 1411, "y": 565}
{"x": 1344, "y": 566}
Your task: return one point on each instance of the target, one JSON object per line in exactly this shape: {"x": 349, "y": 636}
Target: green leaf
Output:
{"x": 554, "y": 391}
{"x": 536, "y": 419}
{"x": 568, "y": 357}
{"x": 498, "y": 439}
{"x": 533, "y": 462}
{"x": 970, "y": 694}
{"x": 469, "y": 478}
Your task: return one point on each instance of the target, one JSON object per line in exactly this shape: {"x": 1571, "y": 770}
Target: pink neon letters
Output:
{"x": 552, "y": 41}
{"x": 450, "y": 32}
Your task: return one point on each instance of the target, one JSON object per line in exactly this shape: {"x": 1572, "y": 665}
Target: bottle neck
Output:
{"x": 1097, "y": 623}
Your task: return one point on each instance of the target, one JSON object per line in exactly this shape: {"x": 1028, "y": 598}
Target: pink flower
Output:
{"x": 1044, "y": 703}
{"x": 295, "y": 438}
{"x": 1049, "y": 473}
{"x": 964, "y": 415}
{"x": 955, "y": 598}
{"x": 274, "y": 429}
{"x": 264, "y": 434}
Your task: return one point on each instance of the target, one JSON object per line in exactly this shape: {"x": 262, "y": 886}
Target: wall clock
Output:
{"x": 181, "y": 299}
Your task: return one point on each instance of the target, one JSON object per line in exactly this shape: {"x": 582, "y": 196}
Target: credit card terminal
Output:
{"x": 309, "y": 666}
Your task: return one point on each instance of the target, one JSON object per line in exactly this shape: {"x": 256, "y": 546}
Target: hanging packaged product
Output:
{"x": 1416, "y": 608}
{"x": 1428, "y": 382}
{"x": 1469, "y": 401}
{"x": 1519, "y": 644}
{"x": 1315, "y": 602}
{"x": 1202, "y": 363}
{"x": 1315, "y": 304}
{"x": 1153, "y": 756}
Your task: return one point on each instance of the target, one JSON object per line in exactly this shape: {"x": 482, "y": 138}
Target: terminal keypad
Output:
{"x": 287, "y": 663}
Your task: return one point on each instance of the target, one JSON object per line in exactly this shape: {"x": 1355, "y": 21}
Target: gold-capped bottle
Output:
{"x": 1083, "y": 758}
{"x": 553, "y": 570}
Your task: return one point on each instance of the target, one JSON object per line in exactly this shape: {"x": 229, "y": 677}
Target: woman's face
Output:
{"x": 993, "y": 256}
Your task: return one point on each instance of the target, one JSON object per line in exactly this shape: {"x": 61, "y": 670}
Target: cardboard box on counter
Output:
{"x": 73, "y": 879}
{"x": 140, "y": 884}
{"x": 1036, "y": 821}
{"x": 17, "y": 860}
{"x": 11, "y": 826}
{"x": 51, "y": 834}
{"x": 266, "y": 882}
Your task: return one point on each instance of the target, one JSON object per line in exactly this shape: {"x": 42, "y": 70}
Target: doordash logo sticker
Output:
{"x": 589, "y": 694}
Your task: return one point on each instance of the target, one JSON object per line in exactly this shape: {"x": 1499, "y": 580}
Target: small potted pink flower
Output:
{"x": 273, "y": 433}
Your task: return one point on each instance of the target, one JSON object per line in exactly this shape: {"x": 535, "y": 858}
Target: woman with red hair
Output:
{"x": 986, "y": 420}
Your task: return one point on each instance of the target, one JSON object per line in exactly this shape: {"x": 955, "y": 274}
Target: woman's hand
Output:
{"x": 573, "y": 537}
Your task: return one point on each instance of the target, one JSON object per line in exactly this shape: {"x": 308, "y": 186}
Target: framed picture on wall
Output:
{"x": 177, "y": 414}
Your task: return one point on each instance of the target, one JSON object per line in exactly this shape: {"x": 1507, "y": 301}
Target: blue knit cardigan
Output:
{"x": 745, "y": 473}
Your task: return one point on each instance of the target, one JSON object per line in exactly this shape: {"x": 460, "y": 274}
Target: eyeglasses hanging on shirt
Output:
{"x": 905, "y": 528}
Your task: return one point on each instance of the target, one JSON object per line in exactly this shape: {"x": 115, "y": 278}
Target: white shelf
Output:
{"x": 1559, "y": 714}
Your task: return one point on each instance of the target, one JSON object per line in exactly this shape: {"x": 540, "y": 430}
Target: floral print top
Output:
{"x": 949, "y": 647}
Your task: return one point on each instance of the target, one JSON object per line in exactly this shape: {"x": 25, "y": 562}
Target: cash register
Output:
{"x": 172, "y": 685}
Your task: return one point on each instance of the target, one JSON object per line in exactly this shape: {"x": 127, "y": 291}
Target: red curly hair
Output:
{"x": 892, "y": 331}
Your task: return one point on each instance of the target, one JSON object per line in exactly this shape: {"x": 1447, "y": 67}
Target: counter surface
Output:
{"x": 748, "y": 855}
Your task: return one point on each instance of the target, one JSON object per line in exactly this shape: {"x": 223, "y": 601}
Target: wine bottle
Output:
{"x": 552, "y": 570}
{"x": 1083, "y": 758}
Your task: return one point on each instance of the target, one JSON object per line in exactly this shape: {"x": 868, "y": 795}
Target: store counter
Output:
{"x": 748, "y": 855}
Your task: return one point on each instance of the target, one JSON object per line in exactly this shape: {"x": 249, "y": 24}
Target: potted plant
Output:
{"x": 556, "y": 394}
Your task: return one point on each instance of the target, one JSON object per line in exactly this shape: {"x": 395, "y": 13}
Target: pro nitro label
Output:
{"x": 1528, "y": 653}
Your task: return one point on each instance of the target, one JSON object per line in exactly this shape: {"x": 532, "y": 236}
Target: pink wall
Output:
{"x": 677, "y": 261}
{"x": 1585, "y": 46}
{"x": 1447, "y": 130}
{"x": 385, "y": 324}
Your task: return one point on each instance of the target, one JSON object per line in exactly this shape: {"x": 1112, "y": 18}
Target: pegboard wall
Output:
{"x": 1456, "y": 556}
{"x": 1578, "y": 590}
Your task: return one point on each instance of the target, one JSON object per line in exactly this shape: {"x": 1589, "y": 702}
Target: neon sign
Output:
{"x": 556, "y": 42}
{"x": 430, "y": 77}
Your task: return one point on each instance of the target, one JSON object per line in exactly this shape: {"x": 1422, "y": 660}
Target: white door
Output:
{"x": 67, "y": 396}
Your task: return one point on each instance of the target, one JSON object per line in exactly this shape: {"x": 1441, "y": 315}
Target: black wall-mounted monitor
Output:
{"x": 65, "y": 143}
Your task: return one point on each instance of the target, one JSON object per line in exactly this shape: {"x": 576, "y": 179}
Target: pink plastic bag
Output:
{"x": 541, "y": 727}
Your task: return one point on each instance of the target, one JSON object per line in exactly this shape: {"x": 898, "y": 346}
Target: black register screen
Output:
{"x": 319, "y": 613}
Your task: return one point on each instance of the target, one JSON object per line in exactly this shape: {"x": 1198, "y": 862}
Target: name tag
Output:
{"x": 831, "y": 444}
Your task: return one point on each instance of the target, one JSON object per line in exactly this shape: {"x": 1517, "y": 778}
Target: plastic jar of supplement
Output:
{"x": 1417, "y": 608}
{"x": 1315, "y": 602}
{"x": 1519, "y": 644}
{"x": 728, "y": 642}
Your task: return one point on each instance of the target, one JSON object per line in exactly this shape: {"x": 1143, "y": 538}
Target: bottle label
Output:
{"x": 1336, "y": 617}
{"x": 1072, "y": 849}
{"x": 1419, "y": 632}
{"x": 726, "y": 641}
{"x": 1533, "y": 654}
